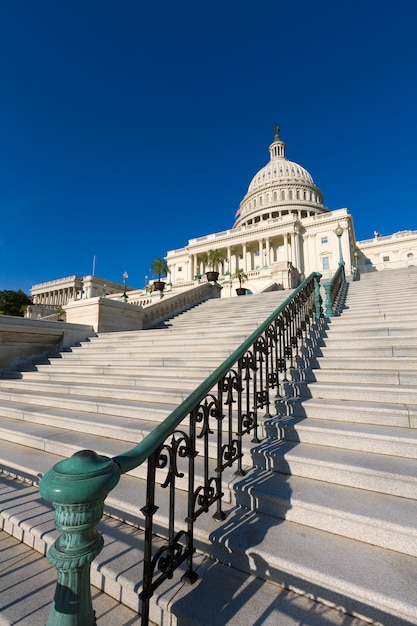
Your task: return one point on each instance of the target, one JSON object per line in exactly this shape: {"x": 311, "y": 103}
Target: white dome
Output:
{"x": 278, "y": 171}
{"x": 280, "y": 188}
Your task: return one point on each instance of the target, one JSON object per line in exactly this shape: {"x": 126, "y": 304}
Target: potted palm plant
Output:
{"x": 241, "y": 276}
{"x": 160, "y": 268}
{"x": 214, "y": 258}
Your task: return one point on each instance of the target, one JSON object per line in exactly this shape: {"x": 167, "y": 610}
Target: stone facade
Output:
{"x": 388, "y": 252}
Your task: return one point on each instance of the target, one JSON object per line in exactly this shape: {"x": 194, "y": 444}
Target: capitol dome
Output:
{"x": 279, "y": 189}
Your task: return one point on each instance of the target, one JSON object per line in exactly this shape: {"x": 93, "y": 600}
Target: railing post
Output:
{"x": 317, "y": 296}
{"x": 342, "y": 265}
{"x": 77, "y": 487}
{"x": 329, "y": 305}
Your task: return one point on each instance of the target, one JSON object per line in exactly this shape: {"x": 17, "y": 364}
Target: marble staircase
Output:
{"x": 321, "y": 529}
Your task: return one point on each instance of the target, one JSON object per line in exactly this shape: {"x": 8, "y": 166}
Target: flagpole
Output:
{"x": 94, "y": 264}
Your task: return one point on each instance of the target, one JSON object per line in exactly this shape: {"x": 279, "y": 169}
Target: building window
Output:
{"x": 410, "y": 255}
{"x": 180, "y": 269}
{"x": 324, "y": 240}
{"x": 385, "y": 259}
{"x": 326, "y": 263}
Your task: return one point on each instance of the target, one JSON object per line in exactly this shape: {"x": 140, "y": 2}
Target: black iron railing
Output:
{"x": 195, "y": 445}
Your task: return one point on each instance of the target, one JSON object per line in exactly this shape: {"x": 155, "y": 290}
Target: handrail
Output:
{"x": 221, "y": 411}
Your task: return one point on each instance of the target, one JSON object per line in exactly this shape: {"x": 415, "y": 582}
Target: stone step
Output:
{"x": 128, "y": 371}
{"x": 159, "y": 351}
{"x": 356, "y": 577}
{"x": 374, "y": 518}
{"x": 374, "y": 329}
{"x": 361, "y": 324}
{"x": 106, "y": 406}
{"x": 365, "y": 391}
{"x": 369, "y": 471}
{"x": 362, "y": 362}
{"x": 352, "y": 411}
{"x": 176, "y": 342}
{"x": 213, "y": 360}
{"x": 372, "y": 333}
{"x": 368, "y": 342}
{"x": 357, "y": 375}
{"x": 106, "y": 390}
{"x": 184, "y": 380}
{"x": 390, "y": 440}
{"x": 395, "y": 350}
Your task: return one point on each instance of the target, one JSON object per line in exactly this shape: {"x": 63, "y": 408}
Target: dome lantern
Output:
{"x": 277, "y": 148}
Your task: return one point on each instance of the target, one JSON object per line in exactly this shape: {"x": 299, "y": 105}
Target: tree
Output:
{"x": 240, "y": 275}
{"x": 14, "y": 302}
{"x": 214, "y": 258}
{"x": 159, "y": 267}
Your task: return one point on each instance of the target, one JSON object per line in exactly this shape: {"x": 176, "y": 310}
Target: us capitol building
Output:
{"x": 282, "y": 232}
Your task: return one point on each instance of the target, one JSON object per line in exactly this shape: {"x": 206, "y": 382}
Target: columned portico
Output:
{"x": 57, "y": 293}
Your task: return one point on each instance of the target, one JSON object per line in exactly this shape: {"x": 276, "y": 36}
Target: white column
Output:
{"x": 244, "y": 252}
{"x": 268, "y": 252}
{"x": 292, "y": 244}
{"x": 297, "y": 250}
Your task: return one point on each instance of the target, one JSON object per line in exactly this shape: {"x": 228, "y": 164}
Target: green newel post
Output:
{"x": 317, "y": 295}
{"x": 329, "y": 305}
{"x": 77, "y": 487}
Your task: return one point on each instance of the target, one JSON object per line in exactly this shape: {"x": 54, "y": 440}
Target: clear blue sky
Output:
{"x": 129, "y": 127}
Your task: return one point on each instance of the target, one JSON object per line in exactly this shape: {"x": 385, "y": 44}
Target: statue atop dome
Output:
{"x": 276, "y": 133}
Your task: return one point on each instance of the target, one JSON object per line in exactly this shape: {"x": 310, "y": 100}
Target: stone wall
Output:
{"x": 105, "y": 315}
{"x": 21, "y": 338}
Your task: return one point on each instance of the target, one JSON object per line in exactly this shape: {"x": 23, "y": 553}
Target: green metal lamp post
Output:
{"x": 356, "y": 271}
{"x": 125, "y": 277}
{"x": 339, "y": 233}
